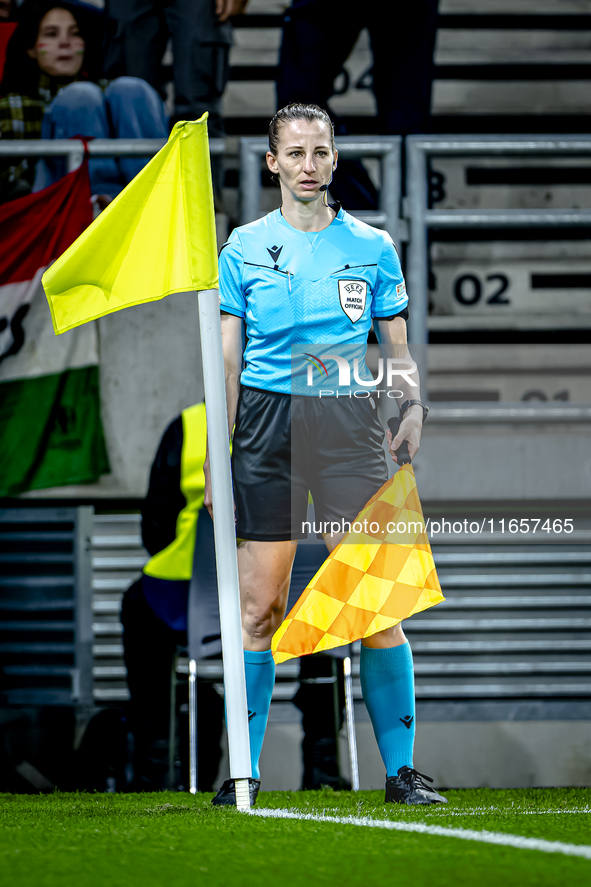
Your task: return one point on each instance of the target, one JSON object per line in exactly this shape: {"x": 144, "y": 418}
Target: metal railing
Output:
{"x": 73, "y": 149}
{"x": 510, "y": 414}
{"x": 388, "y": 149}
{"x": 422, "y": 219}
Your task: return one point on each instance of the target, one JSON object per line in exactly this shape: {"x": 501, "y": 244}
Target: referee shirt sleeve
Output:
{"x": 389, "y": 296}
{"x": 231, "y": 262}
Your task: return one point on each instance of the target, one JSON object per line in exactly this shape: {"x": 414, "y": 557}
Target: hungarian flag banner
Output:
{"x": 50, "y": 426}
{"x": 371, "y": 581}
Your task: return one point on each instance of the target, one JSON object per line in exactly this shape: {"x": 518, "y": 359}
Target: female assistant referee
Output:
{"x": 286, "y": 279}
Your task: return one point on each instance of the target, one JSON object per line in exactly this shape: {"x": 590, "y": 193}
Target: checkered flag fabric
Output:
{"x": 372, "y": 581}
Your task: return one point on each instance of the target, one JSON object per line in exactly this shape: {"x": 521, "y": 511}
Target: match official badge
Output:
{"x": 353, "y": 294}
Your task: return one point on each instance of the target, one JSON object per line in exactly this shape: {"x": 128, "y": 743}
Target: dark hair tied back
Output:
{"x": 292, "y": 112}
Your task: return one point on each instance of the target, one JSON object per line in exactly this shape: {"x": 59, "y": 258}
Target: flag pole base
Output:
{"x": 242, "y": 794}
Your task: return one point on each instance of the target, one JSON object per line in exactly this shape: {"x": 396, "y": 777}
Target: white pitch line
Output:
{"x": 484, "y": 837}
{"x": 521, "y": 811}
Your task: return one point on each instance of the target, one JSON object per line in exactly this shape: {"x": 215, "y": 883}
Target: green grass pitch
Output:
{"x": 179, "y": 840}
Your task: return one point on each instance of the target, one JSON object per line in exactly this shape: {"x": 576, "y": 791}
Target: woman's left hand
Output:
{"x": 410, "y": 430}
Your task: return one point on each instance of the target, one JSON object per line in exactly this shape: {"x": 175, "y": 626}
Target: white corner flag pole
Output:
{"x": 350, "y": 711}
{"x": 225, "y": 544}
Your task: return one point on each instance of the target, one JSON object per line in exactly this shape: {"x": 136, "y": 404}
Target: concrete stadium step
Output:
{"x": 518, "y": 580}
{"x": 503, "y": 558}
{"x": 43, "y": 606}
{"x": 120, "y": 562}
{"x": 36, "y": 557}
{"x": 519, "y": 602}
{"x": 547, "y": 646}
{"x": 497, "y": 373}
{"x": 422, "y": 623}
{"x": 117, "y": 560}
{"x": 99, "y": 542}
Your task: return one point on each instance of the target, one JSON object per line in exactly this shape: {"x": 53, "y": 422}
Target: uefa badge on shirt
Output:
{"x": 352, "y": 294}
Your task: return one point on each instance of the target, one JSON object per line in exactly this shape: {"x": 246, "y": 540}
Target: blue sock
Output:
{"x": 387, "y": 682}
{"x": 260, "y": 679}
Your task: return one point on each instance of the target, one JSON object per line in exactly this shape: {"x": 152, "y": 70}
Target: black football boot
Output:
{"x": 408, "y": 788}
{"x": 226, "y": 796}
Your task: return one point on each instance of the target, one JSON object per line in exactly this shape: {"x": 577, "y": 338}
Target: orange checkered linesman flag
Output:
{"x": 371, "y": 581}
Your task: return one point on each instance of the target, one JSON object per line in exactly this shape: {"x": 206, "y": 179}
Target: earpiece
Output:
{"x": 326, "y": 187}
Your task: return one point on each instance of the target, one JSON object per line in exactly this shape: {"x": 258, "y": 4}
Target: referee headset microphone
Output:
{"x": 324, "y": 188}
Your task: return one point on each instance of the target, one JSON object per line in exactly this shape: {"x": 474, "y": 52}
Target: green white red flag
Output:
{"x": 50, "y": 427}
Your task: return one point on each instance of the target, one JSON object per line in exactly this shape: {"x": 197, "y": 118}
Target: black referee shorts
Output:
{"x": 286, "y": 445}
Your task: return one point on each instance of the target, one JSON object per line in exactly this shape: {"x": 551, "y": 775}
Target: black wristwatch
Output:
{"x": 410, "y": 403}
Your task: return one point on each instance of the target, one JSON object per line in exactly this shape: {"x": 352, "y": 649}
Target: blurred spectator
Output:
{"x": 138, "y": 32}
{"x": 49, "y": 90}
{"x": 7, "y": 10}
{"x": 316, "y": 44}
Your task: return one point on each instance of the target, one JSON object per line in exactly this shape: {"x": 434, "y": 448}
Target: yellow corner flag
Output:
{"x": 371, "y": 581}
{"x": 157, "y": 237}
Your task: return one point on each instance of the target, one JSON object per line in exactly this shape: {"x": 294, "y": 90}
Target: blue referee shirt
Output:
{"x": 295, "y": 288}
